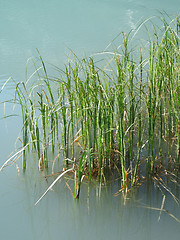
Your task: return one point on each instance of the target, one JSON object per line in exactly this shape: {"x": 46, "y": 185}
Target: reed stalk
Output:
{"x": 111, "y": 116}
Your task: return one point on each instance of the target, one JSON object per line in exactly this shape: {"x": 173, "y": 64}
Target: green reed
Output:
{"x": 25, "y": 115}
{"x": 108, "y": 121}
{"x": 121, "y": 108}
{"x": 139, "y": 106}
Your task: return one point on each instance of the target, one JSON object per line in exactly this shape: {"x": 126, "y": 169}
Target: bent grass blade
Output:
{"x": 55, "y": 181}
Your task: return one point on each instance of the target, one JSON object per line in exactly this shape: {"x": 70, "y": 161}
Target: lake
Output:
{"x": 86, "y": 27}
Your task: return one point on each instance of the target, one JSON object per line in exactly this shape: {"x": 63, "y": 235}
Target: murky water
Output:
{"x": 59, "y": 216}
{"x": 85, "y": 27}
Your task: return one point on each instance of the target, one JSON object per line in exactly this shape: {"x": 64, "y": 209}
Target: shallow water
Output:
{"x": 85, "y": 27}
{"x": 59, "y": 216}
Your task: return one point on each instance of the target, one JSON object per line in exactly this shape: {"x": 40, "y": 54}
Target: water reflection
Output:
{"x": 58, "y": 215}
{"x": 92, "y": 218}
{"x": 84, "y": 26}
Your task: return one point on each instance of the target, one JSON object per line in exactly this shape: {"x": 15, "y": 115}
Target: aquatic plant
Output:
{"x": 112, "y": 120}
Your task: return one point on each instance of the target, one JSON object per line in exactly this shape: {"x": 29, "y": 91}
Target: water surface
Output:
{"x": 54, "y": 27}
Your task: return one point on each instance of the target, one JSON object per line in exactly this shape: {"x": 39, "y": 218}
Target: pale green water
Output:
{"x": 58, "y": 216}
{"x": 85, "y": 27}
{"x": 52, "y": 26}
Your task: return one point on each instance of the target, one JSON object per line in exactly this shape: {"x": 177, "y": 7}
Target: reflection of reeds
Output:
{"x": 109, "y": 117}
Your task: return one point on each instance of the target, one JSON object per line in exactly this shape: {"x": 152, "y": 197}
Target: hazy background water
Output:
{"x": 54, "y": 26}
{"x": 85, "y": 27}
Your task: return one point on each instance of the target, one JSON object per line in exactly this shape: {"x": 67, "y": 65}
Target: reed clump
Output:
{"x": 121, "y": 118}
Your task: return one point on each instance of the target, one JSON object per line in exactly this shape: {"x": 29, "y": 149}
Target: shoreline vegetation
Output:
{"x": 122, "y": 119}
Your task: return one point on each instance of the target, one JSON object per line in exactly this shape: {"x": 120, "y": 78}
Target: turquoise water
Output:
{"x": 54, "y": 27}
{"x": 58, "y": 216}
